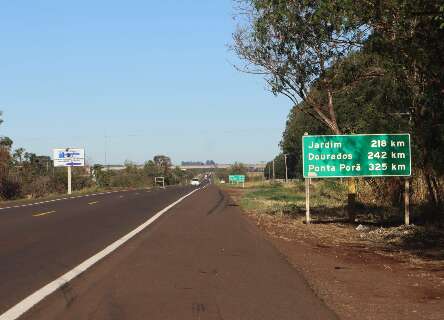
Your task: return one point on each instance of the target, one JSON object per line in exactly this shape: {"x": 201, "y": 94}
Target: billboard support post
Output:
{"x": 69, "y": 179}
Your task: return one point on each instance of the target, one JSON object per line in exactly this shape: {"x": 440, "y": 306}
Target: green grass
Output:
{"x": 276, "y": 193}
{"x": 326, "y": 196}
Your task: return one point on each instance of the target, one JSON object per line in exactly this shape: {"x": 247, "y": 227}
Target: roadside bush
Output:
{"x": 38, "y": 187}
{"x": 126, "y": 180}
{"x": 10, "y": 188}
{"x": 81, "y": 182}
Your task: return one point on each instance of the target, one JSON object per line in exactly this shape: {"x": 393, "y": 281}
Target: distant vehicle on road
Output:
{"x": 195, "y": 182}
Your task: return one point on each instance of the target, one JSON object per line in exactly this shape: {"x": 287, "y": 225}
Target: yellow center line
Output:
{"x": 43, "y": 213}
{"x": 94, "y": 202}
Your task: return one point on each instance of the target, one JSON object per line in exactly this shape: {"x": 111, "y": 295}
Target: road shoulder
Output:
{"x": 354, "y": 280}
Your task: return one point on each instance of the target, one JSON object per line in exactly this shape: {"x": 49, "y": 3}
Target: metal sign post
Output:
{"x": 407, "y": 202}
{"x": 307, "y": 200}
{"x": 159, "y": 180}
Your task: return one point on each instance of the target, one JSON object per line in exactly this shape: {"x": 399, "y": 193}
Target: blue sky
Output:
{"x": 154, "y": 77}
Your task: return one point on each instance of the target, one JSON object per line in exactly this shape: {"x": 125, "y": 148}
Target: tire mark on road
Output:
{"x": 220, "y": 205}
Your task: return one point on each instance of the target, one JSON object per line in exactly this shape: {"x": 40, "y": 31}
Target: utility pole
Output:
{"x": 286, "y": 169}
{"x": 273, "y": 171}
{"x": 263, "y": 176}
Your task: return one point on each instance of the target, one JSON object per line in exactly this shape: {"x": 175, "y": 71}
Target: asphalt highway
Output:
{"x": 38, "y": 243}
{"x": 200, "y": 260}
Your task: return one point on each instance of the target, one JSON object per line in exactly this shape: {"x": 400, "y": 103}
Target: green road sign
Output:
{"x": 236, "y": 178}
{"x": 360, "y": 155}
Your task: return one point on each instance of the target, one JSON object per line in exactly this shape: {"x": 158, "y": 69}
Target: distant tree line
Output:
{"x": 236, "y": 168}
{"x": 134, "y": 176}
{"x": 28, "y": 175}
{"x": 198, "y": 163}
{"x": 353, "y": 67}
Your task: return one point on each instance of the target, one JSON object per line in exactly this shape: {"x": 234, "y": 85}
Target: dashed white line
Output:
{"x": 60, "y": 199}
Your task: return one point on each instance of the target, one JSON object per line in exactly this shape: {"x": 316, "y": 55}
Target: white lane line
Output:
{"x": 59, "y": 199}
{"x": 27, "y": 303}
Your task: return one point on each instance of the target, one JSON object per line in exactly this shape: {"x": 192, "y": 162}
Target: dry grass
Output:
{"x": 280, "y": 210}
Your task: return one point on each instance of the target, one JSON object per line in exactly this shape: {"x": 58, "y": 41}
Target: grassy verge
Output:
{"x": 283, "y": 206}
{"x": 327, "y": 199}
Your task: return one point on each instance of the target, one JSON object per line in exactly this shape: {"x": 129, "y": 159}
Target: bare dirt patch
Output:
{"x": 359, "y": 274}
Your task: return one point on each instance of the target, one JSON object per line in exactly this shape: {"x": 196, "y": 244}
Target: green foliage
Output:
{"x": 298, "y": 123}
{"x": 101, "y": 177}
{"x": 297, "y": 45}
{"x": 6, "y": 142}
{"x": 279, "y": 167}
{"x": 10, "y": 188}
{"x": 237, "y": 169}
{"x": 409, "y": 37}
{"x": 353, "y": 67}
{"x": 276, "y": 193}
{"x": 152, "y": 170}
{"x": 26, "y": 174}
{"x": 327, "y": 198}
{"x": 440, "y": 17}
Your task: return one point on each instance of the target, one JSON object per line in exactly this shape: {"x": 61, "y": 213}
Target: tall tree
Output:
{"x": 6, "y": 142}
{"x": 297, "y": 45}
{"x": 162, "y": 161}
{"x": 18, "y": 156}
{"x": 237, "y": 168}
{"x": 408, "y": 34}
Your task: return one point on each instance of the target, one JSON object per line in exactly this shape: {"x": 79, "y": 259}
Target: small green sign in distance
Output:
{"x": 236, "y": 178}
{"x": 360, "y": 155}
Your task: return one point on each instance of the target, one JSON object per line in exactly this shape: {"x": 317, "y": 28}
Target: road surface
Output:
{"x": 200, "y": 260}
